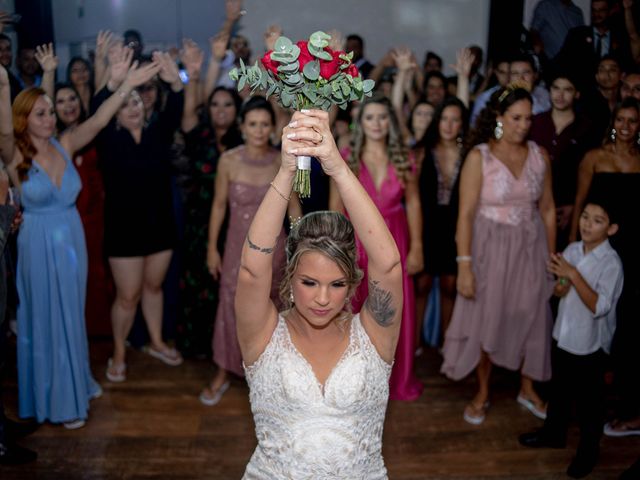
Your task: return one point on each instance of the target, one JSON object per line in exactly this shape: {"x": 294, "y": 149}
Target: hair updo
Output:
{"x": 328, "y": 233}
{"x": 498, "y": 104}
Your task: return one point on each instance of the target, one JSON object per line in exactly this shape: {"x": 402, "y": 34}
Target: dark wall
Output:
{"x": 36, "y": 25}
{"x": 505, "y": 28}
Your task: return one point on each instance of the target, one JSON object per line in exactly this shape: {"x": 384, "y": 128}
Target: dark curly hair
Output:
{"x": 629, "y": 102}
{"x": 499, "y": 103}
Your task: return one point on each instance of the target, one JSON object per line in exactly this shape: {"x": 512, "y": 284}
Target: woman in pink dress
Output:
{"x": 379, "y": 160}
{"x": 242, "y": 179}
{"x": 506, "y": 228}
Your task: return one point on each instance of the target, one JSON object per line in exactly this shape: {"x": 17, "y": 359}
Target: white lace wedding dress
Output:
{"x": 307, "y": 432}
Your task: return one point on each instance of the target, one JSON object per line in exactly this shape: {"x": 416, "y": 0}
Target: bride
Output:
{"x": 318, "y": 374}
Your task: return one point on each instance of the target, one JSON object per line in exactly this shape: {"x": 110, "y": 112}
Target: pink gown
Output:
{"x": 403, "y": 383}
{"x": 244, "y": 200}
{"x": 510, "y": 317}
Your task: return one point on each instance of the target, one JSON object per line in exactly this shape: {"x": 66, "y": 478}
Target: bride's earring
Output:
{"x": 291, "y": 297}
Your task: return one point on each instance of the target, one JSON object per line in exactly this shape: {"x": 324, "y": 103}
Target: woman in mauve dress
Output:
{"x": 506, "y": 228}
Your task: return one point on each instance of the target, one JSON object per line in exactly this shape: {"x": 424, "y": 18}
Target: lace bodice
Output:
{"x": 505, "y": 198}
{"x": 306, "y": 431}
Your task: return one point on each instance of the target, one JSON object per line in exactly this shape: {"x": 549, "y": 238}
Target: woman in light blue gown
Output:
{"x": 54, "y": 376}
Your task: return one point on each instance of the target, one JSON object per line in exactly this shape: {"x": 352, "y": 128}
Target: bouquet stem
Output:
{"x": 302, "y": 182}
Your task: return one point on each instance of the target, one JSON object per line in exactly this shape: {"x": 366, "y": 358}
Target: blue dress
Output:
{"x": 54, "y": 377}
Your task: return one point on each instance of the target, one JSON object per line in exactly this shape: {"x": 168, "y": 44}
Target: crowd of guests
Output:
{"x": 500, "y": 191}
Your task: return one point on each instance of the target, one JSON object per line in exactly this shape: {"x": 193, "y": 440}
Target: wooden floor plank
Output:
{"x": 153, "y": 427}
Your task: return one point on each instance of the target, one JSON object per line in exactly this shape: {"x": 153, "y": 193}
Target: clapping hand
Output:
{"x": 46, "y": 57}
{"x": 102, "y": 44}
{"x": 337, "y": 40}
{"x": 169, "y": 72}
{"x": 137, "y": 75}
{"x": 559, "y": 266}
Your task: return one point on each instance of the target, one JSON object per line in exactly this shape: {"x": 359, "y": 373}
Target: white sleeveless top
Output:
{"x": 307, "y": 433}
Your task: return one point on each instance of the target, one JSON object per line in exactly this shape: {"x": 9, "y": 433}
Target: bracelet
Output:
{"x": 463, "y": 258}
{"x": 286, "y": 199}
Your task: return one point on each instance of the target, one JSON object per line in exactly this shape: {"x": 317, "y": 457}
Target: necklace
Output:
{"x": 264, "y": 161}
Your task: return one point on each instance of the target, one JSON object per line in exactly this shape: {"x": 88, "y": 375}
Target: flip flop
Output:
{"x": 475, "y": 419}
{"x": 210, "y": 401}
{"x": 116, "y": 374}
{"x": 169, "y": 356}
{"x": 621, "y": 429}
{"x": 529, "y": 405}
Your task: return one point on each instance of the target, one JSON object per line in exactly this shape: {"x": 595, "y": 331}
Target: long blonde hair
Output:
{"x": 396, "y": 151}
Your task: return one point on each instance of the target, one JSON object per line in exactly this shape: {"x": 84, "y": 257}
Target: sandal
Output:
{"x": 475, "y": 415}
{"x": 116, "y": 373}
{"x": 74, "y": 424}
{"x": 618, "y": 428}
{"x": 215, "y": 397}
{"x": 169, "y": 356}
{"x": 532, "y": 407}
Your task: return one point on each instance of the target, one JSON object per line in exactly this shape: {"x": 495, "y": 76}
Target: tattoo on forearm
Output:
{"x": 253, "y": 246}
{"x": 379, "y": 303}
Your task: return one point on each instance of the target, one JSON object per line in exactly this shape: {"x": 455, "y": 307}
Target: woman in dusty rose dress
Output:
{"x": 506, "y": 227}
{"x": 381, "y": 163}
{"x": 242, "y": 180}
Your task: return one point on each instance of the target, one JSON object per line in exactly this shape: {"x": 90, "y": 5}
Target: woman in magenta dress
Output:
{"x": 380, "y": 161}
{"x": 506, "y": 228}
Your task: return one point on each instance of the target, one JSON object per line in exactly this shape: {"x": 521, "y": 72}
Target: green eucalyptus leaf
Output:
{"x": 343, "y": 105}
{"x": 319, "y": 39}
{"x": 286, "y": 98}
{"x": 367, "y": 86}
{"x": 288, "y": 67}
{"x": 233, "y": 74}
{"x": 271, "y": 89}
{"x": 347, "y": 58}
{"x": 346, "y": 89}
{"x": 310, "y": 92}
{"x": 319, "y": 53}
{"x": 283, "y": 44}
{"x": 242, "y": 82}
{"x": 312, "y": 70}
{"x": 243, "y": 66}
{"x": 354, "y": 95}
{"x": 292, "y": 79}
{"x": 326, "y": 90}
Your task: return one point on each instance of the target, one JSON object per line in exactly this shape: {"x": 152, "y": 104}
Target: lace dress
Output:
{"x": 307, "y": 431}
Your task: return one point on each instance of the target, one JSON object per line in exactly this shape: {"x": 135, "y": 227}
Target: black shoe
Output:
{"x": 632, "y": 473}
{"x": 538, "y": 439}
{"x": 15, "y": 430}
{"x": 582, "y": 464}
{"x": 16, "y": 455}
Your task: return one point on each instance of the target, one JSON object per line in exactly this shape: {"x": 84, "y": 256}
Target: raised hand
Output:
{"x": 271, "y": 34}
{"x": 46, "y": 57}
{"x": 233, "y": 9}
{"x": 168, "y": 68}
{"x": 119, "y": 62}
{"x": 191, "y": 57}
{"x": 403, "y": 58}
{"x": 337, "y": 41}
{"x": 464, "y": 61}
{"x": 103, "y": 40}
{"x": 138, "y": 75}
{"x": 218, "y": 44}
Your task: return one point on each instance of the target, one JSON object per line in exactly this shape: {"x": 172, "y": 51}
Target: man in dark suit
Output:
{"x": 355, "y": 44}
{"x": 585, "y": 46}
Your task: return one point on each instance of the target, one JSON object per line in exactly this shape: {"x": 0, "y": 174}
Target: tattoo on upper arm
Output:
{"x": 253, "y": 246}
{"x": 379, "y": 303}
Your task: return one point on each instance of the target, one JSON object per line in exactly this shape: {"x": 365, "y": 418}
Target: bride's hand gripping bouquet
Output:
{"x": 305, "y": 75}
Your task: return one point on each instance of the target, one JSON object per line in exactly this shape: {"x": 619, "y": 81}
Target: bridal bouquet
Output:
{"x": 307, "y": 74}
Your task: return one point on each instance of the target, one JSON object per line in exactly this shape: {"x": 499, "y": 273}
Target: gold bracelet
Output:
{"x": 280, "y": 193}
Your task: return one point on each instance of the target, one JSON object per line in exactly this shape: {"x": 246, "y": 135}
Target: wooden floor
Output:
{"x": 153, "y": 427}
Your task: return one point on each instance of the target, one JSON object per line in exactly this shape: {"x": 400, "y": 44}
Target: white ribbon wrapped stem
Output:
{"x": 304, "y": 162}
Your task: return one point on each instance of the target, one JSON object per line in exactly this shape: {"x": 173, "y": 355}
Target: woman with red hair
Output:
{"x": 54, "y": 377}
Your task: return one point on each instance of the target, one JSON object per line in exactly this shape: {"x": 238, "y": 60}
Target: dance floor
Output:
{"x": 153, "y": 427}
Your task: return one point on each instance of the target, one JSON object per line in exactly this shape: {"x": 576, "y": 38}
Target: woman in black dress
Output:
{"x": 140, "y": 231}
{"x": 440, "y": 156}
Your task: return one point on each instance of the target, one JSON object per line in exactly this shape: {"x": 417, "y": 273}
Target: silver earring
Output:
{"x": 459, "y": 142}
{"x": 291, "y": 297}
{"x": 612, "y": 135}
{"x": 498, "y": 131}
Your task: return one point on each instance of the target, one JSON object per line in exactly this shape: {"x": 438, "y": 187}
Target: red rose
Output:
{"x": 352, "y": 70}
{"x": 328, "y": 68}
{"x": 269, "y": 64}
{"x": 305, "y": 57}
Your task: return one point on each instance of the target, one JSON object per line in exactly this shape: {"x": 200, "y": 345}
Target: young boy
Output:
{"x": 589, "y": 283}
